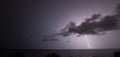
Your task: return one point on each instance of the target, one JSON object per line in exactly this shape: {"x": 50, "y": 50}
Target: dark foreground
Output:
{"x": 60, "y": 53}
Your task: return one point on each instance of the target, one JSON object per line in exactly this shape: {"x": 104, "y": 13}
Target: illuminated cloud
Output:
{"x": 95, "y": 25}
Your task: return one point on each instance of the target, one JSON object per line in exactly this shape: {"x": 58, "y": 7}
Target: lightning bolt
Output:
{"x": 88, "y": 43}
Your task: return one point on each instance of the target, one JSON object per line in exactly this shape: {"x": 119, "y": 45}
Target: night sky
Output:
{"x": 27, "y": 22}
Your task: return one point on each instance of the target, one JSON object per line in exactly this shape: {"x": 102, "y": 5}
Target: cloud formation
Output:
{"x": 95, "y": 25}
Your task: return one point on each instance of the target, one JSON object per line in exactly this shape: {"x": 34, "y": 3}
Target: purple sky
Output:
{"x": 27, "y": 22}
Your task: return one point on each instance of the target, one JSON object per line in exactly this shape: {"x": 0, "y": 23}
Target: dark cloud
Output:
{"x": 95, "y": 25}
{"x": 118, "y": 11}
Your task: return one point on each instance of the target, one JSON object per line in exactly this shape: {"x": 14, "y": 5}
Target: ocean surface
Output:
{"x": 60, "y": 52}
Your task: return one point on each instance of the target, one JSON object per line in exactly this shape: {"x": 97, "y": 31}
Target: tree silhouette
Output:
{"x": 17, "y": 54}
{"x": 53, "y": 55}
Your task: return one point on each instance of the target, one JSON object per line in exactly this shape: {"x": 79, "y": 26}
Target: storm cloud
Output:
{"x": 95, "y": 25}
